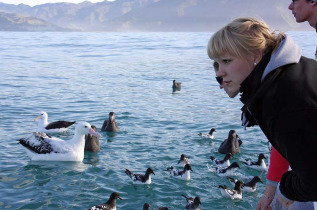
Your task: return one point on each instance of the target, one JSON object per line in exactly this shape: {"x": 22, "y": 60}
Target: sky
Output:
{"x": 37, "y": 2}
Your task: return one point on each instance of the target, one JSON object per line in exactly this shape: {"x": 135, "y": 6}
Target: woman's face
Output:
{"x": 234, "y": 71}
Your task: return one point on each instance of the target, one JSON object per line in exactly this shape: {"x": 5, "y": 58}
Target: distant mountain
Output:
{"x": 158, "y": 15}
{"x": 14, "y": 22}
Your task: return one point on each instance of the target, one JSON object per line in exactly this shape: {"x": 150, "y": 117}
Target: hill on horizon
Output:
{"x": 151, "y": 15}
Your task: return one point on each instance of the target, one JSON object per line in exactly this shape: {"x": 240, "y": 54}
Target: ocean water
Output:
{"x": 84, "y": 76}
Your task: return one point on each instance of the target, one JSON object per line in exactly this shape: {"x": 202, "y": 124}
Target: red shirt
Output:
{"x": 278, "y": 166}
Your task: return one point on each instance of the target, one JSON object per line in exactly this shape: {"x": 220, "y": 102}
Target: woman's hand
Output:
{"x": 264, "y": 203}
{"x": 267, "y": 198}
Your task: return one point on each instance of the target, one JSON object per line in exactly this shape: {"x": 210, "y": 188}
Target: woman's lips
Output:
{"x": 227, "y": 82}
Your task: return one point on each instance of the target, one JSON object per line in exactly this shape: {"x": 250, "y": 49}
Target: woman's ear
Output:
{"x": 258, "y": 56}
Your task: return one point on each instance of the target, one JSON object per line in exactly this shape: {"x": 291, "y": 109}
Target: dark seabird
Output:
{"x": 110, "y": 124}
{"x": 188, "y": 199}
{"x": 229, "y": 171}
{"x": 230, "y": 145}
{"x": 183, "y": 160}
{"x": 235, "y": 193}
{"x": 176, "y": 86}
{"x": 192, "y": 204}
{"x": 209, "y": 135}
{"x": 222, "y": 162}
{"x": 111, "y": 204}
{"x": 53, "y": 127}
{"x": 249, "y": 186}
{"x": 140, "y": 178}
{"x": 92, "y": 143}
{"x": 162, "y": 208}
{"x": 146, "y": 206}
{"x": 181, "y": 174}
{"x": 258, "y": 165}
{"x": 42, "y": 147}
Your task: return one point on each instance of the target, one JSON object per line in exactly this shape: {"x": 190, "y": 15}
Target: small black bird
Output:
{"x": 140, "y": 178}
{"x": 110, "y": 204}
{"x": 235, "y": 193}
{"x": 209, "y": 135}
{"x": 231, "y": 144}
{"x": 176, "y": 86}
{"x": 257, "y": 165}
{"x": 183, "y": 160}
{"x": 110, "y": 124}
{"x": 192, "y": 204}
{"x": 249, "y": 186}
{"x": 92, "y": 143}
{"x": 229, "y": 171}
{"x": 222, "y": 163}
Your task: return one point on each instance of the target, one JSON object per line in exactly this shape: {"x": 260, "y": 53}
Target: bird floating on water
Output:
{"x": 257, "y": 165}
{"x": 110, "y": 125}
{"x": 192, "y": 203}
{"x": 140, "y": 178}
{"x": 229, "y": 171}
{"x": 53, "y": 127}
{"x": 146, "y": 206}
{"x": 235, "y": 193}
{"x": 176, "y": 86}
{"x": 42, "y": 147}
{"x": 231, "y": 144}
{"x": 222, "y": 162}
{"x": 92, "y": 143}
{"x": 111, "y": 204}
{"x": 181, "y": 174}
{"x": 249, "y": 186}
{"x": 183, "y": 160}
{"x": 209, "y": 135}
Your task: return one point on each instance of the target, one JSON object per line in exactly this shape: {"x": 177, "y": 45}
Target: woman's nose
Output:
{"x": 221, "y": 71}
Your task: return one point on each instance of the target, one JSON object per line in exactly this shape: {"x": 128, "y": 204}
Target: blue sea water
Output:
{"x": 84, "y": 76}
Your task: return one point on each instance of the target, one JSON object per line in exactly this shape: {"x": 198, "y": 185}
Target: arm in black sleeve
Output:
{"x": 295, "y": 137}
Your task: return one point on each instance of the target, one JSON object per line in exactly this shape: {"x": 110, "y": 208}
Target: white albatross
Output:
{"x": 42, "y": 147}
{"x": 53, "y": 127}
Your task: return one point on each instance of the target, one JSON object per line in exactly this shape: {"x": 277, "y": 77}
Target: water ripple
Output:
{"x": 84, "y": 76}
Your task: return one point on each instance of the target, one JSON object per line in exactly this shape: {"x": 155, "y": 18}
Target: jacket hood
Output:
{"x": 287, "y": 53}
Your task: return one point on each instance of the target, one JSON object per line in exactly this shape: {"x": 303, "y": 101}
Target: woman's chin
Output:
{"x": 232, "y": 94}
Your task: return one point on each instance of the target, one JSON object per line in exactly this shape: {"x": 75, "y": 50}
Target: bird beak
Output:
{"x": 94, "y": 133}
{"x": 37, "y": 118}
{"x": 120, "y": 198}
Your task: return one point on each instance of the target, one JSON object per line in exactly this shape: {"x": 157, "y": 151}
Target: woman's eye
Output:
{"x": 226, "y": 61}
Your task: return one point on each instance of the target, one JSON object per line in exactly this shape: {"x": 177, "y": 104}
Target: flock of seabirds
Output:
{"x": 42, "y": 146}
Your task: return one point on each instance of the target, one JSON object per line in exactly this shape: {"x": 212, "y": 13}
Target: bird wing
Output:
{"x": 176, "y": 172}
{"x": 217, "y": 161}
{"x": 58, "y": 124}
{"x": 138, "y": 177}
{"x": 37, "y": 143}
{"x": 231, "y": 192}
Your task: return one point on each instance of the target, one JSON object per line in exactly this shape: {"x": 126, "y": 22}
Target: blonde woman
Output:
{"x": 279, "y": 91}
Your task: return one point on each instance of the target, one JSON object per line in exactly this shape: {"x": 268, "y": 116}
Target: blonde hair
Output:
{"x": 242, "y": 37}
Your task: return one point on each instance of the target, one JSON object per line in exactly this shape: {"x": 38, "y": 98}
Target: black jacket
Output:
{"x": 284, "y": 105}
